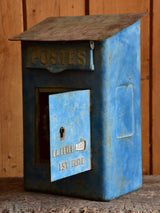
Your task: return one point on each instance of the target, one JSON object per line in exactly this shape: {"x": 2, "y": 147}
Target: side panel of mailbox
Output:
{"x": 122, "y": 113}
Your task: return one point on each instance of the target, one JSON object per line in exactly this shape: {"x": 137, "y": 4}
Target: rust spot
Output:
{"x": 127, "y": 85}
{"x": 122, "y": 133}
{"x": 82, "y": 113}
{"x": 77, "y": 119}
{"x": 110, "y": 58}
{"x": 73, "y": 108}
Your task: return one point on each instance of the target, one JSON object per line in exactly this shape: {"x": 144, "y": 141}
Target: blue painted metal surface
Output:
{"x": 69, "y": 133}
{"x": 124, "y": 111}
{"x": 115, "y": 118}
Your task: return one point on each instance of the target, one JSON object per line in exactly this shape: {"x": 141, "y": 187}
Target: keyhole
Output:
{"x": 61, "y": 133}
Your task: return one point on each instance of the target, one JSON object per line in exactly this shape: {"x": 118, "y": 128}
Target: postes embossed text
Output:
{"x": 58, "y": 57}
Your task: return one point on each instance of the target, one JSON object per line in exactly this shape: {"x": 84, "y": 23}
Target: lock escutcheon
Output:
{"x": 62, "y": 133}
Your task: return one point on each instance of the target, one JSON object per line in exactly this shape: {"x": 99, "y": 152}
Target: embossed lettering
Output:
{"x": 81, "y": 57}
{"x": 81, "y": 146}
{"x": 63, "y": 165}
{"x": 77, "y": 162}
{"x": 55, "y": 153}
{"x": 54, "y": 57}
{"x": 44, "y": 57}
{"x": 66, "y": 150}
{"x": 35, "y": 54}
{"x": 71, "y": 57}
{"x": 63, "y": 57}
{"x": 58, "y": 57}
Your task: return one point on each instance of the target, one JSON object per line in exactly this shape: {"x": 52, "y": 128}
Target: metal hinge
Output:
{"x": 91, "y": 55}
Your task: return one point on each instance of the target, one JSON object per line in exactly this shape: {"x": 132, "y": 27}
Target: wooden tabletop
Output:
{"x": 13, "y": 198}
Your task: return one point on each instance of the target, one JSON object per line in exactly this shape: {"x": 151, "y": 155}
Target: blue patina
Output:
{"x": 112, "y": 110}
{"x": 70, "y": 148}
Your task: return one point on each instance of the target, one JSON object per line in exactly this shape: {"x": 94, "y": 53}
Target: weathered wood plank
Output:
{"x": 136, "y": 6}
{"x": 77, "y": 28}
{"x": 13, "y": 198}
{"x": 72, "y": 7}
{"x": 37, "y": 12}
{"x": 145, "y": 117}
{"x": 156, "y": 87}
{"x": 11, "y": 152}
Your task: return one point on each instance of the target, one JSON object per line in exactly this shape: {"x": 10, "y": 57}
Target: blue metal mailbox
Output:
{"x": 82, "y": 107}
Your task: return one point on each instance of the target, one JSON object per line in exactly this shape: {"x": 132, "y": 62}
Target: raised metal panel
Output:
{"x": 58, "y": 57}
{"x": 124, "y": 111}
{"x": 69, "y": 133}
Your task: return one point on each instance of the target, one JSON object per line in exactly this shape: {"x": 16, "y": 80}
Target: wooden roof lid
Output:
{"x": 75, "y": 28}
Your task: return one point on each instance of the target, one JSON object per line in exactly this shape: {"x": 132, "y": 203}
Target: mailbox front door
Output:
{"x": 70, "y": 146}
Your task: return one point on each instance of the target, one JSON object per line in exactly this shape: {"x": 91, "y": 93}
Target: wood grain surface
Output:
{"x": 13, "y": 198}
{"x": 136, "y": 6}
{"x": 79, "y": 28}
{"x": 11, "y": 151}
{"x": 48, "y": 8}
{"x": 156, "y": 87}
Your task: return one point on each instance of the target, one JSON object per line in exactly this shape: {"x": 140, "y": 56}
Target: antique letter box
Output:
{"x": 81, "y": 105}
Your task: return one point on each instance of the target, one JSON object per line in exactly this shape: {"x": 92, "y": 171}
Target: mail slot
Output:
{"x": 82, "y": 106}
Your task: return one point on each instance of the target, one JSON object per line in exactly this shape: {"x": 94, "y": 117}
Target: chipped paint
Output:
{"x": 116, "y": 161}
{"x": 70, "y": 129}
